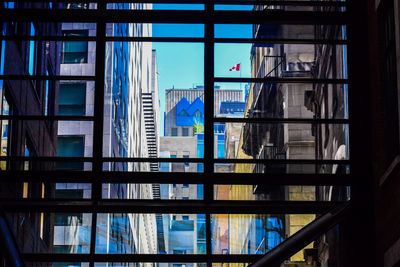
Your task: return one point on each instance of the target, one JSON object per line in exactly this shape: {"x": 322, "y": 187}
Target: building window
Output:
{"x": 72, "y": 99}
{"x": 186, "y": 163}
{"x": 174, "y": 131}
{"x": 74, "y": 51}
{"x": 32, "y": 52}
{"x": 5, "y": 131}
{"x": 185, "y": 132}
{"x": 70, "y": 146}
{"x": 75, "y": 5}
{"x": 179, "y": 251}
{"x": 185, "y": 218}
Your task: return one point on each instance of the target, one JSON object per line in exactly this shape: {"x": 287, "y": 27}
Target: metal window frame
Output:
{"x": 208, "y": 205}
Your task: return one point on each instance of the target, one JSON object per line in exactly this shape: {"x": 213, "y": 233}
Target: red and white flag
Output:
{"x": 235, "y": 68}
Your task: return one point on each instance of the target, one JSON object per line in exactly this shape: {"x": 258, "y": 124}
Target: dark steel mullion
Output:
{"x": 45, "y": 77}
{"x": 98, "y": 128}
{"x": 184, "y": 258}
{"x": 157, "y": 39}
{"x": 281, "y": 41}
{"x": 208, "y": 120}
{"x": 180, "y": 160}
{"x": 361, "y": 133}
{"x": 178, "y": 16}
{"x": 283, "y": 120}
{"x": 281, "y": 3}
{"x": 281, "y": 80}
{"x": 168, "y": 206}
{"x": 178, "y": 178}
{"x": 47, "y": 117}
{"x": 49, "y": 38}
{"x": 175, "y": 39}
{"x": 229, "y": 2}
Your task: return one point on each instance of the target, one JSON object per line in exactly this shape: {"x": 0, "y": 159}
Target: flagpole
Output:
{"x": 240, "y": 73}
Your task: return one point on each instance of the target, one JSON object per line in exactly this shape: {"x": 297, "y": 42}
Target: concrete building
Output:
{"x": 172, "y": 125}
{"x": 130, "y": 97}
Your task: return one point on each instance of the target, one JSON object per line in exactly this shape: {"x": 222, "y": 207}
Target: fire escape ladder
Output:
{"x": 10, "y": 250}
{"x": 303, "y": 237}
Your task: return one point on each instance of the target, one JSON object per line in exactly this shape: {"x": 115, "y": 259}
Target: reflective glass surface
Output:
{"x": 125, "y": 126}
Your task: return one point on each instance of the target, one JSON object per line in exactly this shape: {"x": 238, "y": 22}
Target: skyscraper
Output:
{"x": 130, "y": 93}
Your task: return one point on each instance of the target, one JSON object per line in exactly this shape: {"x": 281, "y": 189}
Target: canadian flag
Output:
{"x": 235, "y": 68}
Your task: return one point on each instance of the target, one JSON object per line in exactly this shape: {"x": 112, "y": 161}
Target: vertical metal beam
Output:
{"x": 358, "y": 230}
{"x": 208, "y": 117}
{"x": 97, "y": 165}
{"x": 303, "y": 237}
{"x": 9, "y": 245}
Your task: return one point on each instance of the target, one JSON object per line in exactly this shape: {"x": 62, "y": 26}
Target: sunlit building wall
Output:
{"x": 128, "y": 74}
{"x": 279, "y": 141}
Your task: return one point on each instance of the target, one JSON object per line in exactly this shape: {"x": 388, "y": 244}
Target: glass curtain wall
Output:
{"x": 172, "y": 134}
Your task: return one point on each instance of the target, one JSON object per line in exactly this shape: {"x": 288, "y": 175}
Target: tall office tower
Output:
{"x": 28, "y": 137}
{"x": 128, "y": 80}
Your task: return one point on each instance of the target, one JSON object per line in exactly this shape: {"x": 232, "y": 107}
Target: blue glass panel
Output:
{"x": 72, "y": 99}
{"x": 70, "y": 146}
{"x": 32, "y": 58}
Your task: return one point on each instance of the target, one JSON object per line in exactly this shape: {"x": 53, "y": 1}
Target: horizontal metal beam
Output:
{"x": 173, "y": 160}
{"x": 174, "y": 178}
{"x": 280, "y": 80}
{"x": 176, "y": 16}
{"x": 47, "y": 117}
{"x": 303, "y": 237}
{"x": 281, "y": 3}
{"x": 167, "y": 206}
{"x": 47, "y": 77}
{"x": 281, "y": 120}
{"x": 176, "y": 39}
{"x": 218, "y": 119}
{"x": 200, "y": 258}
{"x": 224, "y": 2}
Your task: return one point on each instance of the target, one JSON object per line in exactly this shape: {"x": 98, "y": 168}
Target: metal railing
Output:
{"x": 9, "y": 252}
{"x": 303, "y": 237}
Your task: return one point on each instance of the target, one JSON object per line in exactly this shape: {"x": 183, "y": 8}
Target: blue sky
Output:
{"x": 181, "y": 65}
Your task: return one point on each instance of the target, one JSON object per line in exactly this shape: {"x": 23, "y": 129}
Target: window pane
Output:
{"x": 72, "y": 99}
{"x": 153, "y": 191}
{"x": 166, "y": 233}
{"x": 254, "y": 234}
{"x": 64, "y": 233}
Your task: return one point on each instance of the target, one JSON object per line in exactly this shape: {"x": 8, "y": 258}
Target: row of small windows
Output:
{"x": 174, "y": 131}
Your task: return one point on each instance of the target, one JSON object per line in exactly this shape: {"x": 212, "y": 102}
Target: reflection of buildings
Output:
{"x": 184, "y": 138}
{"x": 130, "y": 113}
{"x": 28, "y": 137}
{"x": 287, "y": 141}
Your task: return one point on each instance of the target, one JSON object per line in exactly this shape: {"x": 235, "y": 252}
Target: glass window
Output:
{"x": 75, "y": 51}
{"x": 185, "y": 132}
{"x": 32, "y": 52}
{"x": 75, "y": 5}
{"x": 174, "y": 131}
{"x": 70, "y": 146}
{"x": 72, "y": 99}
